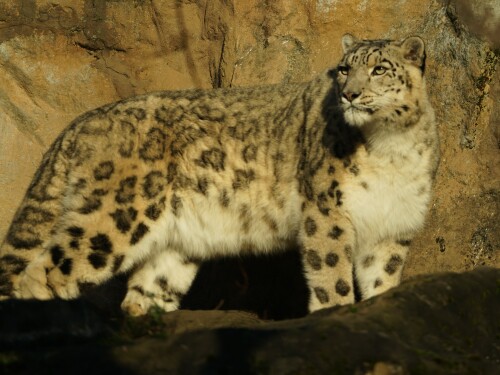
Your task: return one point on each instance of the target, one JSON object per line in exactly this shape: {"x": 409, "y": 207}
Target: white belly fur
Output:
{"x": 204, "y": 229}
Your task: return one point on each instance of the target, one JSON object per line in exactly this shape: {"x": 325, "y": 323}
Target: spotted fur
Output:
{"x": 342, "y": 165}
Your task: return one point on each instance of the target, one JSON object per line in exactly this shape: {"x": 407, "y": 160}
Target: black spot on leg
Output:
{"x": 393, "y": 264}
{"x": 338, "y": 196}
{"x": 138, "y": 233}
{"x": 342, "y": 287}
{"x": 331, "y": 170}
{"x": 310, "y": 227}
{"x": 101, "y": 243}
{"x": 13, "y": 264}
{"x": 66, "y": 266}
{"x": 322, "y": 204}
{"x": 331, "y": 259}
{"x": 348, "y": 253}
{"x": 336, "y": 232}
{"x": 76, "y": 232}
{"x": 321, "y": 294}
{"x": 313, "y": 259}
{"x": 104, "y": 170}
{"x": 378, "y": 282}
{"x": 354, "y": 169}
{"x": 331, "y": 190}
{"x": 74, "y": 244}
{"x": 56, "y": 254}
{"x": 117, "y": 262}
{"x": 97, "y": 260}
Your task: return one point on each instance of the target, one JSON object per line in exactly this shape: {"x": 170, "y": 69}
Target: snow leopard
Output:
{"x": 341, "y": 166}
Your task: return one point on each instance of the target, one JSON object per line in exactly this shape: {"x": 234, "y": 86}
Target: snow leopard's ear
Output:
{"x": 413, "y": 49}
{"x": 348, "y": 41}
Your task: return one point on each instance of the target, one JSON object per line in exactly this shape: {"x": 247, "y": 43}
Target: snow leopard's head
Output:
{"x": 381, "y": 80}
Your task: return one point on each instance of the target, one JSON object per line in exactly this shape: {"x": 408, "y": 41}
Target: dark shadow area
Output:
{"x": 53, "y": 337}
{"x": 29, "y": 323}
{"x": 234, "y": 352}
{"x": 190, "y": 64}
{"x": 271, "y": 286}
{"x": 339, "y": 137}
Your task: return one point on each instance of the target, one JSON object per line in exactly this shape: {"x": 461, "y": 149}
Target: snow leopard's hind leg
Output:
{"x": 23, "y": 255}
{"x": 161, "y": 281}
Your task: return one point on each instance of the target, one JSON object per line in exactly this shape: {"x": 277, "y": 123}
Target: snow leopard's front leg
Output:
{"x": 327, "y": 240}
{"x": 379, "y": 268}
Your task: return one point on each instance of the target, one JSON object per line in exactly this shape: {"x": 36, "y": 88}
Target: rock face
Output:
{"x": 438, "y": 324}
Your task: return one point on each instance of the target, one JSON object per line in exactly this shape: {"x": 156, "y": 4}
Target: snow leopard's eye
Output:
{"x": 343, "y": 69}
{"x": 379, "y": 70}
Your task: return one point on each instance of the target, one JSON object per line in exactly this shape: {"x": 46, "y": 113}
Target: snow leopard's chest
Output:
{"x": 387, "y": 199}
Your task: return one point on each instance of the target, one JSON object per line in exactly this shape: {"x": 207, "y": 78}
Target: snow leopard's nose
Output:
{"x": 350, "y": 96}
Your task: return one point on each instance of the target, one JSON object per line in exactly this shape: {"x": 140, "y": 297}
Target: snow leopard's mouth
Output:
{"x": 357, "y": 116}
{"x": 357, "y": 107}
